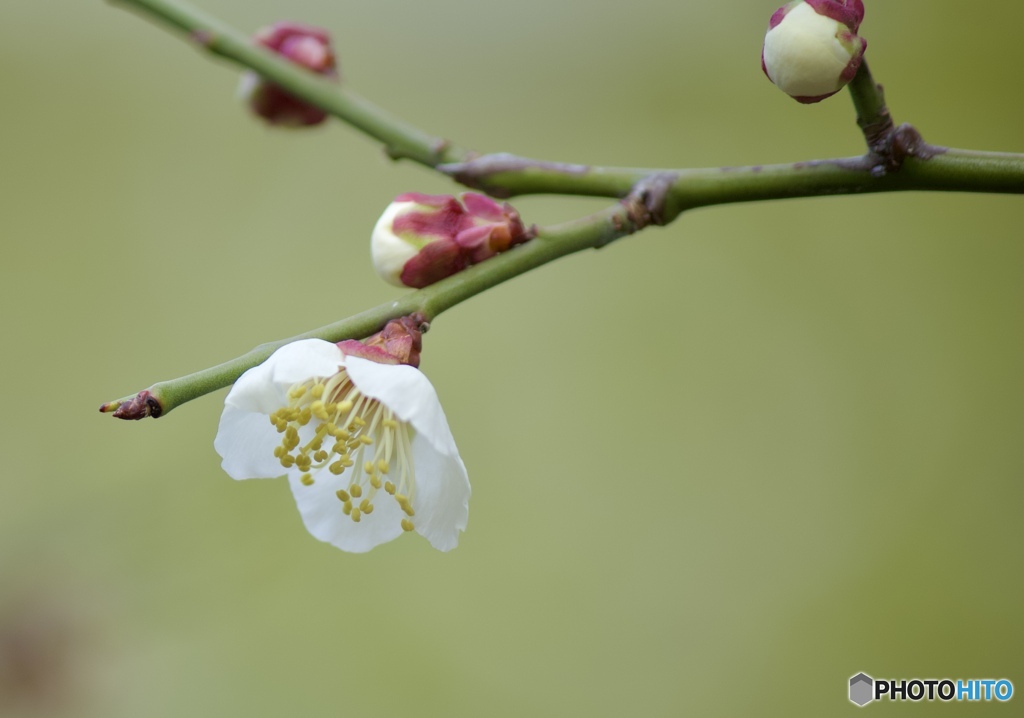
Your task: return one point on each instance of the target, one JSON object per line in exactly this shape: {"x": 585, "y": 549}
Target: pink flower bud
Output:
{"x": 304, "y": 45}
{"x": 812, "y": 49}
{"x": 422, "y": 238}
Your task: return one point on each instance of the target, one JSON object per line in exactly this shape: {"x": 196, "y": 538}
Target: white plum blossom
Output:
{"x": 365, "y": 445}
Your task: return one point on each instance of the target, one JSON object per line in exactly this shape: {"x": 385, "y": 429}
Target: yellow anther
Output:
{"x": 375, "y": 481}
{"x": 318, "y": 410}
{"x": 358, "y": 421}
{"x": 343, "y": 495}
{"x": 291, "y": 438}
{"x": 389, "y": 424}
{"x": 344, "y": 406}
{"x": 331, "y": 428}
{"x": 346, "y": 508}
{"x": 297, "y": 392}
{"x": 368, "y": 467}
{"x": 317, "y": 391}
{"x": 287, "y": 461}
{"x": 356, "y": 514}
{"x": 304, "y": 416}
{"x": 303, "y": 462}
{"x": 403, "y": 501}
{"x": 356, "y": 490}
{"x": 389, "y": 487}
{"x": 407, "y": 525}
{"x": 279, "y": 451}
{"x": 383, "y": 466}
{"x": 281, "y": 426}
{"x": 331, "y": 408}
{"x": 337, "y": 468}
{"x": 368, "y": 509}
{"x": 365, "y": 439}
{"x": 365, "y": 506}
{"x": 306, "y": 479}
{"x": 320, "y": 456}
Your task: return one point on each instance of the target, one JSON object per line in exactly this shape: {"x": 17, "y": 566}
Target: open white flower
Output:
{"x": 366, "y": 446}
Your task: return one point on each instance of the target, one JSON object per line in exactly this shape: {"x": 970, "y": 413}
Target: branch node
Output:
{"x": 204, "y": 38}
{"x": 438, "y": 148}
{"x": 894, "y": 148}
{"x": 648, "y": 202}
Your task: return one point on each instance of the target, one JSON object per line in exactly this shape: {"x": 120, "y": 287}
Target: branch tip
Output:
{"x": 138, "y": 407}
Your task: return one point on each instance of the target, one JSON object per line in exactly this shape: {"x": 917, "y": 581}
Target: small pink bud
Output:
{"x": 304, "y": 45}
{"x": 812, "y": 49}
{"x": 421, "y": 238}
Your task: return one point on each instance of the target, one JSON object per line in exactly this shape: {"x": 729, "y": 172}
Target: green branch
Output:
{"x": 504, "y": 175}
{"x": 948, "y": 170}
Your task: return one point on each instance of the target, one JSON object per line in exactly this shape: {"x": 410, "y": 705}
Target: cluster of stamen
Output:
{"x": 350, "y": 432}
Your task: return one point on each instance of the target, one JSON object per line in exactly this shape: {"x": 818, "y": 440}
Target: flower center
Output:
{"x": 330, "y": 423}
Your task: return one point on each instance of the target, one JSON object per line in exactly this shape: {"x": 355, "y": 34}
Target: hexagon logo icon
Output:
{"x": 861, "y": 689}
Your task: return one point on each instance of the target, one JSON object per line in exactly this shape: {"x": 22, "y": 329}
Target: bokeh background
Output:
{"x": 718, "y": 468}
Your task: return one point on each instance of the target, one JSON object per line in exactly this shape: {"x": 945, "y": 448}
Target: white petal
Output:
{"x": 407, "y": 392}
{"x": 246, "y": 440}
{"x": 264, "y": 388}
{"x": 322, "y": 514}
{"x": 304, "y": 359}
{"x": 389, "y": 251}
{"x": 256, "y": 391}
{"x": 442, "y": 495}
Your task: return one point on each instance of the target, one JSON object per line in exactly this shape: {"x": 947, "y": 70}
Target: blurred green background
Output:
{"x": 718, "y": 468}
